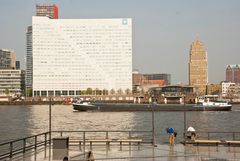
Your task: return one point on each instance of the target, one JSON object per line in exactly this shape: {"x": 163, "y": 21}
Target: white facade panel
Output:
{"x": 76, "y": 54}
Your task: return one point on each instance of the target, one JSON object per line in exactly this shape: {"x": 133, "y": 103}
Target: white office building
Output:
{"x": 70, "y": 55}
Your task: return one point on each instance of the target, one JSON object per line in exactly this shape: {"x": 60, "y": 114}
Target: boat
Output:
{"x": 104, "y": 106}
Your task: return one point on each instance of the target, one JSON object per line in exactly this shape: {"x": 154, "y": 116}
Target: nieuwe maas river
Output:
{"x": 21, "y": 121}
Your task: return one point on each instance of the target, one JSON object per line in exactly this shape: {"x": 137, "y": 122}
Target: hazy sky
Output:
{"x": 163, "y": 30}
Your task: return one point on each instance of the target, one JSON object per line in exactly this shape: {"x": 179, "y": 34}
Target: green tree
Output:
{"x": 96, "y": 91}
{"x": 7, "y": 91}
{"x": 105, "y": 92}
{"x": 89, "y": 91}
{"x": 28, "y": 92}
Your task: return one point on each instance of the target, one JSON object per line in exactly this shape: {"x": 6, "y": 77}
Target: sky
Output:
{"x": 163, "y": 30}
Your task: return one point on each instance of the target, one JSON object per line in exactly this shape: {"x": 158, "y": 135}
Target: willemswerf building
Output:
{"x": 71, "y": 55}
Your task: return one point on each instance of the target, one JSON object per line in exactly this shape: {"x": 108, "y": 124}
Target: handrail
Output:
{"x": 210, "y": 134}
{"x": 100, "y": 131}
{"x": 1, "y": 144}
{"x": 217, "y": 131}
{"x": 22, "y": 147}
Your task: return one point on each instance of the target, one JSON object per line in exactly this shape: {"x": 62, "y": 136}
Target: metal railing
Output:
{"x": 11, "y": 148}
{"x": 146, "y": 136}
{"x": 216, "y": 135}
{"x": 224, "y": 135}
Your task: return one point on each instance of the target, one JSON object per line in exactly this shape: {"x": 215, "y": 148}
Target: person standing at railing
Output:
{"x": 170, "y": 132}
{"x": 191, "y": 133}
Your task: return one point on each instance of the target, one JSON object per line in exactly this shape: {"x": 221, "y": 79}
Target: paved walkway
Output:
{"x": 143, "y": 152}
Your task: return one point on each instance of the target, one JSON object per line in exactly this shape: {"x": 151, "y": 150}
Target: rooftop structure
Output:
{"x": 160, "y": 79}
{"x": 48, "y": 10}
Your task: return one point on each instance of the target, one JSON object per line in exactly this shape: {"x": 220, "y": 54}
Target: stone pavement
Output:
{"x": 144, "y": 152}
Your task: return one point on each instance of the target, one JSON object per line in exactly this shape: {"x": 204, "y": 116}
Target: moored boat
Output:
{"x": 102, "y": 106}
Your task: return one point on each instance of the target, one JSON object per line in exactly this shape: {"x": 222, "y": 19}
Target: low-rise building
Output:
{"x": 214, "y": 89}
{"x": 173, "y": 94}
{"x": 7, "y": 59}
{"x": 225, "y": 86}
{"x": 143, "y": 82}
{"x": 11, "y": 82}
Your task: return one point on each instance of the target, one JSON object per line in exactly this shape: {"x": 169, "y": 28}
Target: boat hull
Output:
{"x": 147, "y": 107}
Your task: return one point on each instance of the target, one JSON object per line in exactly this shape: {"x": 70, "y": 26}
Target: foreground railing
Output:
{"x": 216, "y": 135}
{"x": 11, "y": 148}
{"x": 18, "y": 146}
{"x": 222, "y": 135}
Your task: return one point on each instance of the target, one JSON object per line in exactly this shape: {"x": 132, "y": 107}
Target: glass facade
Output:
{"x": 29, "y": 67}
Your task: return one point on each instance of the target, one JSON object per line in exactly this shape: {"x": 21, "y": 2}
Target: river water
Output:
{"x": 21, "y": 121}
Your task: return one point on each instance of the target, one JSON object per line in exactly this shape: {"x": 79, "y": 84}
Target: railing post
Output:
{"x": 106, "y": 134}
{"x": 153, "y": 126}
{"x": 185, "y": 126}
{"x": 50, "y": 120}
{"x": 35, "y": 138}
{"x": 129, "y": 136}
{"x": 11, "y": 149}
{"x": 24, "y": 145}
{"x": 233, "y": 135}
{"x": 84, "y": 143}
{"x": 45, "y": 139}
{"x": 61, "y": 133}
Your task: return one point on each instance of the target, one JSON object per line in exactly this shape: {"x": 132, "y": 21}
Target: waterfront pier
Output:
{"x": 138, "y": 147}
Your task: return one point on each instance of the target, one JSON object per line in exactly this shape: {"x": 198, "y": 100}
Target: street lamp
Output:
{"x": 153, "y": 127}
{"x": 153, "y": 121}
{"x": 50, "y": 119}
{"x": 184, "y": 117}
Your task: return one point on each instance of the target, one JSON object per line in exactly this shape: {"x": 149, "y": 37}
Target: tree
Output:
{"x": 112, "y": 91}
{"x": 89, "y": 91}
{"x": 7, "y": 91}
{"x": 105, "y": 92}
{"x": 128, "y": 91}
{"x": 96, "y": 91}
{"x": 142, "y": 91}
{"x": 28, "y": 92}
{"x": 119, "y": 92}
